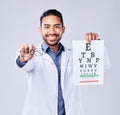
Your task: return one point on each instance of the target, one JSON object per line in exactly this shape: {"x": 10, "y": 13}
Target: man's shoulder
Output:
{"x": 67, "y": 49}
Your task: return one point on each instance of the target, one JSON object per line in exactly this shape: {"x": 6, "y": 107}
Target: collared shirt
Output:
{"x": 57, "y": 60}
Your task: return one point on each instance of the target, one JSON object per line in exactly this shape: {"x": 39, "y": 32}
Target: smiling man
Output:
{"x": 50, "y": 87}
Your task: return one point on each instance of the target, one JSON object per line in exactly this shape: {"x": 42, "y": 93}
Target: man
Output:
{"x": 50, "y": 87}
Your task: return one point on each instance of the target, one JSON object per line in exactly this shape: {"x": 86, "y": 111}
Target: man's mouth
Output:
{"x": 52, "y": 35}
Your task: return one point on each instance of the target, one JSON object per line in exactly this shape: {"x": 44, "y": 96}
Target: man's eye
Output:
{"x": 57, "y": 26}
{"x": 46, "y": 27}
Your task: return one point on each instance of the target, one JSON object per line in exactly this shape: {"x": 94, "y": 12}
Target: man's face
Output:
{"x": 52, "y": 30}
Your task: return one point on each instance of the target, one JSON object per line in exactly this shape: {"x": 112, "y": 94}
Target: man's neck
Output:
{"x": 55, "y": 48}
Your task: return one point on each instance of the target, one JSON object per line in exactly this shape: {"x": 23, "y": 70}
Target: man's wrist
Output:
{"x": 20, "y": 63}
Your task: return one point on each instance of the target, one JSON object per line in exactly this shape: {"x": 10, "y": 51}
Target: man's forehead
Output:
{"x": 51, "y": 19}
{"x": 47, "y": 24}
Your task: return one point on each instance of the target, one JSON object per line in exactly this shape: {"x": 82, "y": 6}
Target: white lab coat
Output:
{"x": 42, "y": 95}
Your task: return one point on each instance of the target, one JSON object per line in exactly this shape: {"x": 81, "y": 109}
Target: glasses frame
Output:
{"x": 36, "y": 52}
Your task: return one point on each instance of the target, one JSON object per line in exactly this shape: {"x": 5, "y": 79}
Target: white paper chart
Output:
{"x": 88, "y": 62}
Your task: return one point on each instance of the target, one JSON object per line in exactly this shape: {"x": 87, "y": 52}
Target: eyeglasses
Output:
{"x": 36, "y": 52}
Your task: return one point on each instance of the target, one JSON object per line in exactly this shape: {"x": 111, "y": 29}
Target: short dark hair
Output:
{"x": 52, "y": 12}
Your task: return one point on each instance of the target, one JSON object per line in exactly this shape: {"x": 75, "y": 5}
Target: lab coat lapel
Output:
{"x": 45, "y": 55}
{"x": 64, "y": 65}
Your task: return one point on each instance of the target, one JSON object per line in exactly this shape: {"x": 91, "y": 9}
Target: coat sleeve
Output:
{"x": 28, "y": 66}
{"x": 106, "y": 60}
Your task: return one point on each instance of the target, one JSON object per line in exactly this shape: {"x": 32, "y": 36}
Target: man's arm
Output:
{"x": 19, "y": 63}
{"x": 24, "y": 58}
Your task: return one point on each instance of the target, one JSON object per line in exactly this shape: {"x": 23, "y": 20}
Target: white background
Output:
{"x": 19, "y": 23}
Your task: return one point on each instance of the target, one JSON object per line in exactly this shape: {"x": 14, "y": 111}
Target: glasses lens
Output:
{"x": 26, "y": 52}
{"x": 38, "y": 52}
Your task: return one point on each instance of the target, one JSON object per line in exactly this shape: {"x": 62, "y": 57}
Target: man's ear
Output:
{"x": 40, "y": 29}
{"x": 63, "y": 29}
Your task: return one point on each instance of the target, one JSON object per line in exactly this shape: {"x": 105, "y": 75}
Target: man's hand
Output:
{"x": 26, "y": 52}
{"x": 91, "y": 36}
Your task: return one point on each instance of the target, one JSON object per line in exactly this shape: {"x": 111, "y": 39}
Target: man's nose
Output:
{"x": 52, "y": 30}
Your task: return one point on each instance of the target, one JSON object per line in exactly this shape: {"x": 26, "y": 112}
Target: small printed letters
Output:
{"x": 88, "y": 62}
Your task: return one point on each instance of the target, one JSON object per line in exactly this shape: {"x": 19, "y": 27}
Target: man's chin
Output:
{"x": 53, "y": 44}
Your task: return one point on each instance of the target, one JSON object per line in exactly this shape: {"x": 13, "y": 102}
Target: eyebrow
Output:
{"x": 49, "y": 24}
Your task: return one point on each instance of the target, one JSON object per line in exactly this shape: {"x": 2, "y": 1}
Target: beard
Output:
{"x": 52, "y": 42}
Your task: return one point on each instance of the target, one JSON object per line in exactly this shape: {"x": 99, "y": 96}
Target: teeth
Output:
{"x": 53, "y": 36}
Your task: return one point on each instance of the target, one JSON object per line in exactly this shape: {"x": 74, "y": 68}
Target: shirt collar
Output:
{"x": 45, "y": 47}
